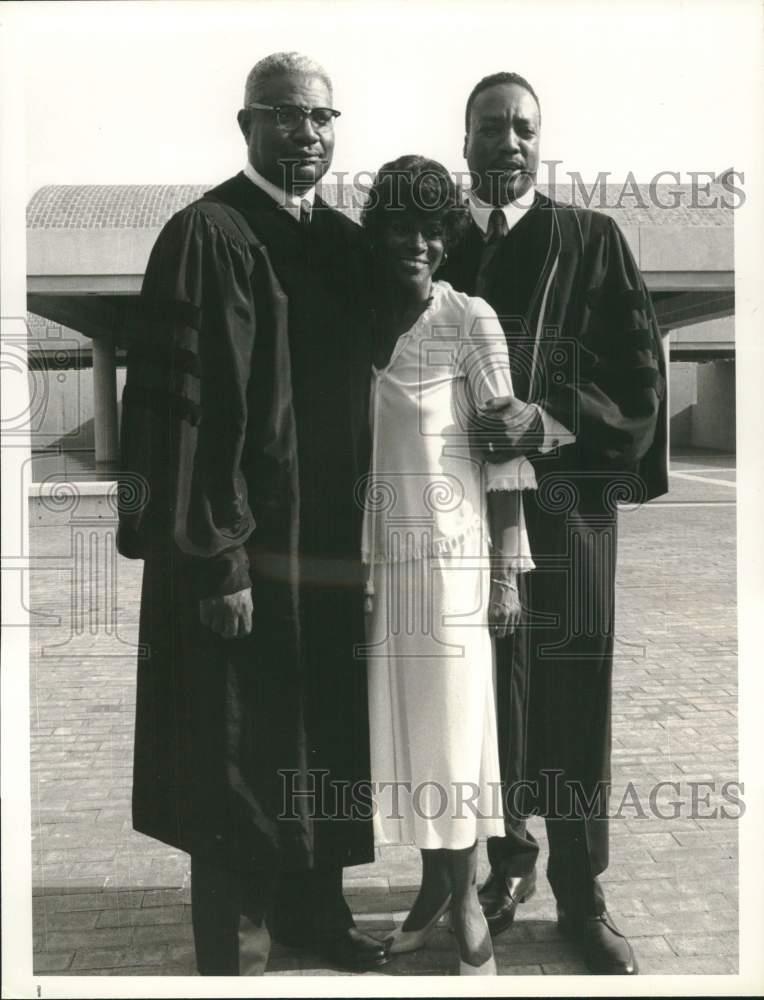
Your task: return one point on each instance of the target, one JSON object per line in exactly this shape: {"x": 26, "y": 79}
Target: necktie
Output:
{"x": 305, "y": 208}
{"x": 497, "y": 230}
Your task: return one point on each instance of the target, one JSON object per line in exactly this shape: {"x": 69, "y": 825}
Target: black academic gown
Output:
{"x": 585, "y": 345}
{"x": 245, "y": 433}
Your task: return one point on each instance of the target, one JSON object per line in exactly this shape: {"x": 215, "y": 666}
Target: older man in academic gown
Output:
{"x": 244, "y": 436}
{"x": 589, "y": 377}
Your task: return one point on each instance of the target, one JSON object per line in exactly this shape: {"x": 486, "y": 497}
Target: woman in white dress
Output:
{"x": 444, "y": 538}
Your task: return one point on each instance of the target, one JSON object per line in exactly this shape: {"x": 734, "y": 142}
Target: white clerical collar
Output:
{"x": 290, "y": 202}
{"x": 513, "y": 212}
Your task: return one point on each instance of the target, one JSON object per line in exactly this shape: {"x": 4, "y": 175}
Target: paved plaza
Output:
{"x": 109, "y": 901}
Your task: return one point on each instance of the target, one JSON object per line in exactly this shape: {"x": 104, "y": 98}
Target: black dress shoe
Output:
{"x": 499, "y": 898}
{"x": 348, "y": 948}
{"x": 605, "y": 950}
{"x": 351, "y": 949}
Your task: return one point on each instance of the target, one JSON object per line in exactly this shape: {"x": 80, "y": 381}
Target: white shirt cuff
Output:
{"x": 556, "y": 435}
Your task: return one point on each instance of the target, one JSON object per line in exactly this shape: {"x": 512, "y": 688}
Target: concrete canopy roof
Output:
{"x": 149, "y": 206}
{"x": 88, "y": 245}
{"x": 94, "y": 240}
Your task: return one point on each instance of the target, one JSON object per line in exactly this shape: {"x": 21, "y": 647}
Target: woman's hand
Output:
{"x": 504, "y": 608}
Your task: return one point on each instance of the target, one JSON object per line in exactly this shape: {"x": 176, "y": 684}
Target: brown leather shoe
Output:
{"x": 499, "y": 898}
{"x": 604, "y": 948}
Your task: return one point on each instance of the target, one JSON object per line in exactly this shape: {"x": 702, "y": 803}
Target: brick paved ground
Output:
{"x": 108, "y": 901}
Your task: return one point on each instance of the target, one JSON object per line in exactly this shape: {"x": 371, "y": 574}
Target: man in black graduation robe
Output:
{"x": 244, "y": 436}
{"x": 589, "y": 377}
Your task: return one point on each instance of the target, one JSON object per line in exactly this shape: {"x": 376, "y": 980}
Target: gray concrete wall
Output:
{"x": 701, "y": 406}
{"x": 106, "y": 260}
{"x": 683, "y": 395}
{"x": 668, "y": 249}
{"x": 87, "y": 254}
{"x": 713, "y": 417}
{"x": 61, "y": 408}
{"x": 711, "y": 333}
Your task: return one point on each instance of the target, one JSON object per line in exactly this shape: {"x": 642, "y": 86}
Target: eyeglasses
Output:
{"x": 291, "y": 116}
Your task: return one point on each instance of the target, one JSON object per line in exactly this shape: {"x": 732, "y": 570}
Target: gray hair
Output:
{"x": 278, "y": 64}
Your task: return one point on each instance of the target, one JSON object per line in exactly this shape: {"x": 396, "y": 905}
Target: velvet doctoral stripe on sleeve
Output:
{"x": 599, "y": 366}
{"x": 185, "y": 404}
{"x": 612, "y": 402}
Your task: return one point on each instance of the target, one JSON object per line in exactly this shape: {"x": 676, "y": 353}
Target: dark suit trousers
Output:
{"x": 228, "y": 912}
{"x": 554, "y": 687}
{"x": 232, "y": 911}
{"x": 311, "y": 903}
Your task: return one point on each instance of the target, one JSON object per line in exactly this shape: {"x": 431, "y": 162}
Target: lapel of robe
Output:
{"x": 323, "y": 254}
{"x": 526, "y": 326}
{"x": 544, "y": 302}
{"x": 529, "y": 331}
{"x": 271, "y": 223}
{"x": 339, "y": 251}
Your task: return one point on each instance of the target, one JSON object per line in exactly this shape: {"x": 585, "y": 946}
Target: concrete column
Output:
{"x": 106, "y": 426}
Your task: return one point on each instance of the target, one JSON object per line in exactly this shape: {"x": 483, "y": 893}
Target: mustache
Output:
{"x": 302, "y": 155}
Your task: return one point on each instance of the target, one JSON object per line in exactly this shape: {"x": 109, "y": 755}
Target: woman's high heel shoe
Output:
{"x": 404, "y": 941}
{"x": 488, "y": 968}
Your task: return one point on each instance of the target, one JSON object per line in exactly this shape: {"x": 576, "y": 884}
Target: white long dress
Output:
{"x": 434, "y": 755}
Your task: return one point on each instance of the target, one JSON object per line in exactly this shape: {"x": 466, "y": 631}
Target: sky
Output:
{"x": 147, "y": 93}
